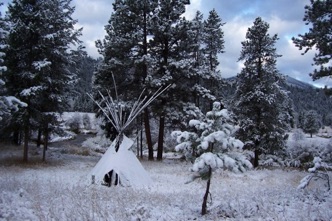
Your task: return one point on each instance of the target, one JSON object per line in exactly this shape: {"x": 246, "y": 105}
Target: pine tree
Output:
{"x": 172, "y": 51}
{"x": 258, "y": 98}
{"x": 8, "y": 103}
{"x": 213, "y": 39}
{"x": 173, "y": 55}
{"x": 210, "y": 145}
{"x": 311, "y": 122}
{"x": 125, "y": 52}
{"x": 85, "y": 67}
{"x": 41, "y": 36}
{"x": 319, "y": 15}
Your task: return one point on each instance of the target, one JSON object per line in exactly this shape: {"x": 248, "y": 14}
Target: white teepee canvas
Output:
{"x": 124, "y": 163}
{"x": 118, "y": 159}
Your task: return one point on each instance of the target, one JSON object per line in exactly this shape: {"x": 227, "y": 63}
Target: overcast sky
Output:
{"x": 284, "y": 16}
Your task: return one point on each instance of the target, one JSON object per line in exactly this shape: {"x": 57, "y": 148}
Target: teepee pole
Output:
{"x": 114, "y": 111}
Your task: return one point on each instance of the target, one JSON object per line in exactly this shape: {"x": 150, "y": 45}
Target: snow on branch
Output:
{"x": 38, "y": 65}
{"x": 318, "y": 164}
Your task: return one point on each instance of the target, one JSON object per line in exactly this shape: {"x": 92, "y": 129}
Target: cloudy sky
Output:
{"x": 284, "y": 16}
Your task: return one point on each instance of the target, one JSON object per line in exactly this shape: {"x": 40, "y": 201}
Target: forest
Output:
{"x": 259, "y": 122}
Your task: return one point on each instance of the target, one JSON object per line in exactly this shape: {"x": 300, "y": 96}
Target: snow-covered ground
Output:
{"x": 57, "y": 190}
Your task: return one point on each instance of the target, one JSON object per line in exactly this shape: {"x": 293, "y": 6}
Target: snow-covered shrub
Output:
{"x": 98, "y": 144}
{"x": 317, "y": 174}
{"x": 169, "y": 142}
{"x": 74, "y": 123}
{"x": 86, "y": 121}
{"x": 269, "y": 160}
{"x": 302, "y": 153}
{"x": 298, "y": 135}
{"x": 210, "y": 145}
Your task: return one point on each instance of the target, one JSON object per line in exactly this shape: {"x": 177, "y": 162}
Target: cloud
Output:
{"x": 195, "y": 5}
{"x": 92, "y": 16}
{"x": 234, "y": 34}
{"x": 285, "y": 19}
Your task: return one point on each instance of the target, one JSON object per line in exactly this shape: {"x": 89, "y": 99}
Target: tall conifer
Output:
{"x": 259, "y": 99}
{"x": 40, "y": 40}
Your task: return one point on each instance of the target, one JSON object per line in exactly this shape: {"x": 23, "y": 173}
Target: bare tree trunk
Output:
{"x": 141, "y": 139}
{"x": 207, "y": 192}
{"x": 39, "y": 137}
{"x": 161, "y": 137}
{"x": 148, "y": 133}
{"x": 26, "y": 141}
{"x": 45, "y": 142}
{"x": 256, "y": 164}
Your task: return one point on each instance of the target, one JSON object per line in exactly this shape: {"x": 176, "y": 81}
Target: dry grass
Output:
{"x": 56, "y": 191}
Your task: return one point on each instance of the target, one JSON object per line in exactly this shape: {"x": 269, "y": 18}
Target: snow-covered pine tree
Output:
{"x": 84, "y": 67}
{"x": 318, "y": 14}
{"x": 213, "y": 39}
{"x": 205, "y": 35}
{"x": 7, "y": 103}
{"x": 174, "y": 49}
{"x": 210, "y": 145}
{"x": 40, "y": 41}
{"x": 311, "y": 122}
{"x": 258, "y": 98}
{"x": 149, "y": 44}
{"x": 125, "y": 53}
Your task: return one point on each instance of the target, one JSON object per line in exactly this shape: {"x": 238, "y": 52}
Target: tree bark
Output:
{"x": 39, "y": 137}
{"x": 141, "y": 140}
{"x": 161, "y": 137}
{"x": 207, "y": 192}
{"x": 148, "y": 133}
{"x": 45, "y": 142}
{"x": 17, "y": 136}
{"x": 26, "y": 141}
{"x": 256, "y": 164}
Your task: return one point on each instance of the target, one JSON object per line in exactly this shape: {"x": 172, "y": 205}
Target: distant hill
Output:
{"x": 289, "y": 81}
{"x": 296, "y": 83}
{"x": 305, "y": 97}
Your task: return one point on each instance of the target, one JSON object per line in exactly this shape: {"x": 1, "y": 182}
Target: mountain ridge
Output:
{"x": 290, "y": 81}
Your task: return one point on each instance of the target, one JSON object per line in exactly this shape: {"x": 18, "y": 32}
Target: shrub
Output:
{"x": 298, "y": 135}
{"x": 86, "y": 121}
{"x": 74, "y": 123}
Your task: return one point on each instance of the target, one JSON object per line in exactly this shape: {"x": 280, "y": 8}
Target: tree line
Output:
{"x": 149, "y": 44}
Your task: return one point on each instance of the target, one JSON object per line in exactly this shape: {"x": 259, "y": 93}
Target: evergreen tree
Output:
{"x": 210, "y": 145}
{"x": 311, "y": 122}
{"x": 300, "y": 121}
{"x": 125, "y": 52}
{"x": 258, "y": 98}
{"x": 173, "y": 53}
{"x": 39, "y": 55}
{"x": 213, "y": 39}
{"x": 319, "y": 15}
{"x": 169, "y": 57}
{"x": 8, "y": 103}
{"x": 84, "y": 67}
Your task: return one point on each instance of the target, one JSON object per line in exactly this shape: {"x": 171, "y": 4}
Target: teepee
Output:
{"x": 119, "y": 164}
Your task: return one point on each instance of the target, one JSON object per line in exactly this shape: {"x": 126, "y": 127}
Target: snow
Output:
{"x": 13, "y": 102}
{"x": 31, "y": 91}
{"x": 58, "y": 190}
{"x": 38, "y": 65}
{"x": 54, "y": 191}
{"x": 207, "y": 159}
